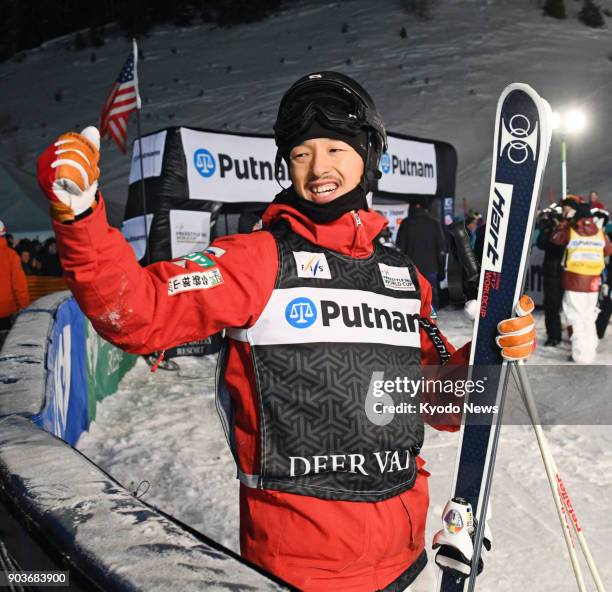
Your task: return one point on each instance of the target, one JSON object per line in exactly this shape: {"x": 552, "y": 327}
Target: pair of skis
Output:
{"x": 522, "y": 140}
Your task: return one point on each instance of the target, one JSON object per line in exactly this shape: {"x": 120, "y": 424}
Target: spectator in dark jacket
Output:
{"x": 548, "y": 220}
{"x": 473, "y": 220}
{"x": 49, "y": 259}
{"x": 420, "y": 237}
{"x": 479, "y": 240}
{"x": 24, "y": 250}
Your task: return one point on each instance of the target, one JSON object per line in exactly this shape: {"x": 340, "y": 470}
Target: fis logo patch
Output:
{"x": 311, "y": 265}
{"x": 396, "y": 278}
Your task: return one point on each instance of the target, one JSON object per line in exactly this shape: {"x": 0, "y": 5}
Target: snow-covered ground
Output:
{"x": 163, "y": 428}
{"x": 441, "y": 81}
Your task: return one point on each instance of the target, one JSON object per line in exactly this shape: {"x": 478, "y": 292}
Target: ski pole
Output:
{"x": 525, "y": 388}
{"x": 578, "y": 530}
{"x": 557, "y": 486}
{"x": 561, "y": 490}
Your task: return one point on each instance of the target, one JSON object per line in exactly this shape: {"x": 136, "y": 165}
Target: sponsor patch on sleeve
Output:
{"x": 216, "y": 251}
{"x": 396, "y": 278}
{"x": 197, "y": 280}
{"x": 199, "y": 258}
{"x": 311, "y": 265}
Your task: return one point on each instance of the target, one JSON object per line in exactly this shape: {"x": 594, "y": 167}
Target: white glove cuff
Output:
{"x": 70, "y": 194}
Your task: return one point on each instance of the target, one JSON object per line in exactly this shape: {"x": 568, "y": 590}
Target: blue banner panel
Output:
{"x": 65, "y": 410}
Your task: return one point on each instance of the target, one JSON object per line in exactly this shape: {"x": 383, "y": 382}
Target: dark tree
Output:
{"x": 234, "y": 12}
{"x": 555, "y": 8}
{"x": 79, "y": 41}
{"x": 96, "y": 36}
{"x": 25, "y": 24}
{"x": 422, "y": 8}
{"x": 590, "y": 15}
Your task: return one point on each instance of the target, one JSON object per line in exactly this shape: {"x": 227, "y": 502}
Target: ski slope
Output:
{"x": 163, "y": 428}
{"x": 442, "y": 81}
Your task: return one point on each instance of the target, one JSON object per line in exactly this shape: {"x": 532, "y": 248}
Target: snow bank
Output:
{"x": 59, "y": 510}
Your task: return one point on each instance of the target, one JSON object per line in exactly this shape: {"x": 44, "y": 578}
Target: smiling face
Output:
{"x": 323, "y": 169}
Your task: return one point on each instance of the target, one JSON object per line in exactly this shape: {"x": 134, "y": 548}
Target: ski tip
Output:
{"x": 526, "y": 88}
{"x": 544, "y": 108}
{"x": 522, "y": 86}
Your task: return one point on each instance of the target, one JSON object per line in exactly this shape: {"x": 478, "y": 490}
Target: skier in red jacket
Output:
{"x": 583, "y": 262}
{"x": 14, "y": 293}
{"x": 333, "y": 494}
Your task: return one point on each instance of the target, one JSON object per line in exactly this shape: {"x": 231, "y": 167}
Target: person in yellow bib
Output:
{"x": 586, "y": 248}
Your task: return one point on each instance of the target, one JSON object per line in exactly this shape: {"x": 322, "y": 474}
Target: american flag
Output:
{"x": 122, "y": 99}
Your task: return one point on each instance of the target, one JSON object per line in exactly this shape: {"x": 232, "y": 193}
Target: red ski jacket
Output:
{"x": 13, "y": 288}
{"x": 313, "y": 543}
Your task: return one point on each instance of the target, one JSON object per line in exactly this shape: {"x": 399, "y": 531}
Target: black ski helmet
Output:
{"x": 339, "y": 103}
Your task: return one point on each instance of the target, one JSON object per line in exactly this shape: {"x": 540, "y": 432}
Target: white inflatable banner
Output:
{"x": 133, "y": 229}
{"x": 189, "y": 231}
{"x": 409, "y": 167}
{"x": 395, "y": 213}
{"x": 229, "y": 168}
{"x": 235, "y": 168}
{"x": 152, "y": 156}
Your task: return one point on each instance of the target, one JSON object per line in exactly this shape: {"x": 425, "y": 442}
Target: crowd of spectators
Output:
{"x": 575, "y": 236}
{"x": 29, "y": 269}
{"x": 37, "y": 258}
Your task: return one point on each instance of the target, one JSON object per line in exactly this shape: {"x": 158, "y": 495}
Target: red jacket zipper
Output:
{"x": 358, "y": 225}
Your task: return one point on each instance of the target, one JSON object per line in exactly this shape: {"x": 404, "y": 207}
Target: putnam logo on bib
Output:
{"x": 396, "y": 278}
{"x": 311, "y": 265}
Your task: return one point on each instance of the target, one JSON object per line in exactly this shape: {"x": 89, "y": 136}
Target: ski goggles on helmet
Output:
{"x": 337, "y": 104}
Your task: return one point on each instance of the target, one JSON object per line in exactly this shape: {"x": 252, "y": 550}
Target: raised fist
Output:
{"x": 68, "y": 173}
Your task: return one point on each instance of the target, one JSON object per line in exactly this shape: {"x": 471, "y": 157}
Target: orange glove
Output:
{"x": 517, "y": 336}
{"x": 68, "y": 173}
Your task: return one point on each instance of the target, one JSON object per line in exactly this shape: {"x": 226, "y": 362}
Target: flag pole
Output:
{"x": 143, "y": 192}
